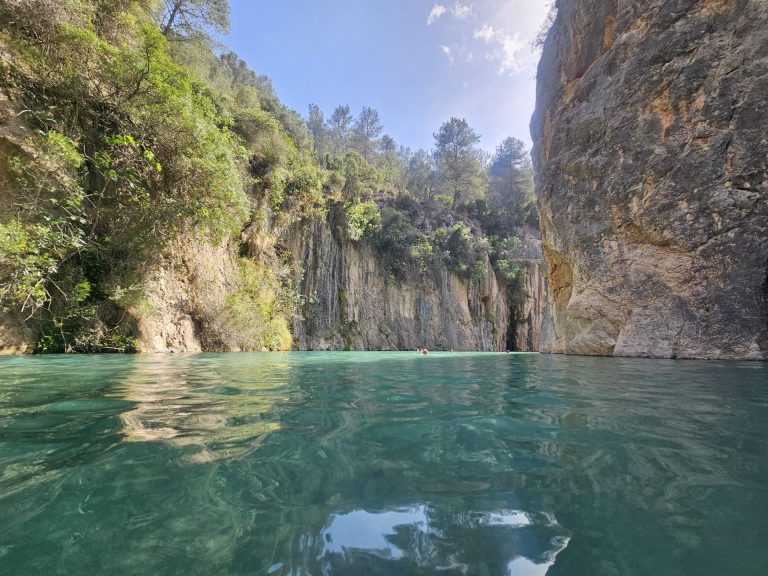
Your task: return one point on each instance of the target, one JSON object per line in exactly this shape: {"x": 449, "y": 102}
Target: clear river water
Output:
{"x": 382, "y": 464}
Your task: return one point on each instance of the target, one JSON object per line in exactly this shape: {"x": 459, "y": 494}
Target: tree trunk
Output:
{"x": 172, "y": 17}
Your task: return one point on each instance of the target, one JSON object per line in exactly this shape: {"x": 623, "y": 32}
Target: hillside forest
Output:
{"x": 127, "y": 130}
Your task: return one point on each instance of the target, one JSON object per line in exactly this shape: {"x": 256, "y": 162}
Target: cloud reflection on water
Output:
{"x": 418, "y": 537}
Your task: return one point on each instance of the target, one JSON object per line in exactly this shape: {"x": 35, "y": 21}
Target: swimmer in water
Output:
{"x": 424, "y": 351}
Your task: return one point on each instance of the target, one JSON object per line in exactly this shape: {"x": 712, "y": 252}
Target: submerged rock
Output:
{"x": 651, "y": 157}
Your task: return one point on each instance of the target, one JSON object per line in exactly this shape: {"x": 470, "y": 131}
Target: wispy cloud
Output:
{"x": 461, "y": 11}
{"x": 485, "y": 32}
{"x": 458, "y": 10}
{"x": 481, "y": 38}
{"x": 505, "y": 50}
{"x": 437, "y": 11}
{"x": 508, "y": 53}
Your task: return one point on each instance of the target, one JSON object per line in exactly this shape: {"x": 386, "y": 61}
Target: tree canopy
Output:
{"x": 458, "y": 161}
{"x": 188, "y": 18}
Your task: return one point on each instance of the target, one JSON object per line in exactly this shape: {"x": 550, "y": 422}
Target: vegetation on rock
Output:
{"x": 127, "y": 130}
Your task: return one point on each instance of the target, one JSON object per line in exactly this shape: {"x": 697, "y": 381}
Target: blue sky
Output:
{"x": 417, "y": 62}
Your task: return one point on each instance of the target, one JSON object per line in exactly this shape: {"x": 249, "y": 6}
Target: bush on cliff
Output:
{"x": 133, "y": 140}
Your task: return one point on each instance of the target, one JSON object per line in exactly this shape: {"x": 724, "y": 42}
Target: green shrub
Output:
{"x": 363, "y": 220}
{"x": 257, "y": 315}
{"x": 461, "y": 251}
{"x": 49, "y": 227}
{"x": 405, "y": 249}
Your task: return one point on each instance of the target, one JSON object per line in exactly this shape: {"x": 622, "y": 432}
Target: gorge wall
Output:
{"x": 651, "y": 157}
{"x": 156, "y": 195}
{"x": 350, "y": 301}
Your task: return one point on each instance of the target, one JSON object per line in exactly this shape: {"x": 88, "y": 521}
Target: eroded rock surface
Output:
{"x": 186, "y": 286}
{"x": 651, "y": 156}
{"x": 352, "y": 302}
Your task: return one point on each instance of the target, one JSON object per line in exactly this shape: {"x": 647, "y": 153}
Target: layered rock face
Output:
{"x": 651, "y": 156}
{"x": 352, "y": 302}
{"x": 528, "y": 315}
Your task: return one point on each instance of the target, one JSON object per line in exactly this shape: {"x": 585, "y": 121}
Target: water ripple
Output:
{"x": 386, "y": 463}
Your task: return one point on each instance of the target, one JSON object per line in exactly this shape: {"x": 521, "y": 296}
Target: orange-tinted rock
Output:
{"x": 651, "y": 156}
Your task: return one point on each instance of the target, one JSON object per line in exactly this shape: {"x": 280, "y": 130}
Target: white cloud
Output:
{"x": 485, "y": 32}
{"x": 461, "y": 11}
{"x": 437, "y": 11}
{"x": 508, "y": 50}
{"x": 510, "y": 46}
{"x": 495, "y": 39}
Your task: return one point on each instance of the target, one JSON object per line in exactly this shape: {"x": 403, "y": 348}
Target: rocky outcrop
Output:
{"x": 185, "y": 287}
{"x": 16, "y": 337}
{"x": 651, "y": 157}
{"x": 352, "y": 302}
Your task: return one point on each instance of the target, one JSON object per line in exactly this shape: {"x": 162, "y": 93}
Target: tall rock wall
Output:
{"x": 651, "y": 156}
{"x": 352, "y": 302}
{"x": 528, "y": 314}
{"x": 349, "y": 301}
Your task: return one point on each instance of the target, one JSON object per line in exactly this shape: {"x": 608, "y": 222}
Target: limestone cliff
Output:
{"x": 349, "y": 301}
{"x": 184, "y": 290}
{"x": 651, "y": 157}
{"x": 352, "y": 302}
{"x": 527, "y": 314}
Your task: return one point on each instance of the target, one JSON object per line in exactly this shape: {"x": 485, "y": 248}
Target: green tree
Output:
{"x": 361, "y": 180}
{"x": 389, "y": 162}
{"x": 318, "y": 129}
{"x": 510, "y": 189}
{"x": 458, "y": 161}
{"x": 340, "y": 124}
{"x": 365, "y": 136}
{"x": 419, "y": 175}
{"x": 187, "y": 18}
{"x": 546, "y": 26}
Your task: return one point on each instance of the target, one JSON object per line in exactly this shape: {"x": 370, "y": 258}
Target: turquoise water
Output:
{"x": 382, "y": 463}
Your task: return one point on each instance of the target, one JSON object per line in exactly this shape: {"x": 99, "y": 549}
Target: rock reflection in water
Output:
{"x": 424, "y": 539}
{"x": 183, "y": 401}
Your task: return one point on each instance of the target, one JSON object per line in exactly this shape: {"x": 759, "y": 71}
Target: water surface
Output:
{"x": 382, "y": 464}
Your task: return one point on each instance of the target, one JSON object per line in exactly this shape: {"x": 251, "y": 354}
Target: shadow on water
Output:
{"x": 379, "y": 464}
